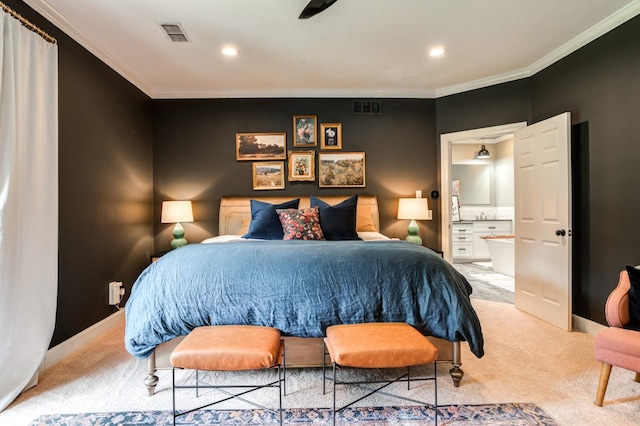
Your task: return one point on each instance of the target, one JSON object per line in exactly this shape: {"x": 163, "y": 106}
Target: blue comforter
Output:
{"x": 300, "y": 288}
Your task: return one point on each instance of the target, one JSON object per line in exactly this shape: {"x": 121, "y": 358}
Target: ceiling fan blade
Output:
{"x": 314, "y": 7}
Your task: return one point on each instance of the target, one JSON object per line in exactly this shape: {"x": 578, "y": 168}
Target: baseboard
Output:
{"x": 69, "y": 346}
{"x": 585, "y": 325}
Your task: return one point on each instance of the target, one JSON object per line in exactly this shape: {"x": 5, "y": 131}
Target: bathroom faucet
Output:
{"x": 482, "y": 216}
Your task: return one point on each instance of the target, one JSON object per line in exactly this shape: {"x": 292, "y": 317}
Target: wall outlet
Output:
{"x": 115, "y": 292}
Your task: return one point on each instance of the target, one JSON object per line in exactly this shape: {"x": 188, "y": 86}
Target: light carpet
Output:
{"x": 526, "y": 361}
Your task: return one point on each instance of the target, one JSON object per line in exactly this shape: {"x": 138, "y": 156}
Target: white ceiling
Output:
{"x": 356, "y": 48}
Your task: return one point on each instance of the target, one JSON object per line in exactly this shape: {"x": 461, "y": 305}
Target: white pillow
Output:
{"x": 371, "y": 236}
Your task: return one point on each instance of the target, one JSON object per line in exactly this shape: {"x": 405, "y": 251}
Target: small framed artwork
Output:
{"x": 343, "y": 169}
{"x": 302, "y": 166}
{"x": 261, "y": 146}
{"x": 455, "y": 187}
{"x": 304, "y": 131}
{"x": 331, "y": 136}
{"x": 268, "y": 175}
{"x": 455, "y": 208}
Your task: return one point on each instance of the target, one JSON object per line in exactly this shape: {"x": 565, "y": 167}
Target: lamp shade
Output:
{"x": 414, "y": 208}
{"x": 176, "y": 211}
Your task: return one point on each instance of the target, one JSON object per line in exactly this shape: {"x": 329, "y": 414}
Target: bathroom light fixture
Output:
{"x": 483, "y": 153}
{"x": 176, "y": 212}
{"x": 414, "y": 209}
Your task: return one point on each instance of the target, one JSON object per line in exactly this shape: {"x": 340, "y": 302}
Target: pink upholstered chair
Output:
{"x": 615, "y": 345}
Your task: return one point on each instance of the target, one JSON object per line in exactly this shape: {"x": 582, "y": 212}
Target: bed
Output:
{"x": 299, "y": 287}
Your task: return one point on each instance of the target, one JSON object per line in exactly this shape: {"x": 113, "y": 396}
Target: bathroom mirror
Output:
{"x": 475, "y": 183}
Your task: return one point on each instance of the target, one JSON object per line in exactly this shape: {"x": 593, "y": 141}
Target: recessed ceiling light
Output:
{"x": 230, "y": 51}
{"x": 437, "y": 51}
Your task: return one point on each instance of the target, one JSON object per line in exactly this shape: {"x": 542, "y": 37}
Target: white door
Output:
{"x": 543, "y": 220}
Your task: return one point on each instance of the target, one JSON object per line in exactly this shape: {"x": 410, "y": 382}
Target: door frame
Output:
{"x": 446, "y": 140}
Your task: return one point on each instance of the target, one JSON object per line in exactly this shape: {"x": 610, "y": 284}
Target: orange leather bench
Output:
{"x": 230, "y": 348}
{"x": 379, "y": 345}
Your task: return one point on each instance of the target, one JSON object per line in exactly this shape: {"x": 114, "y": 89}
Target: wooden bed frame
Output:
{"x": 301, "y": 351}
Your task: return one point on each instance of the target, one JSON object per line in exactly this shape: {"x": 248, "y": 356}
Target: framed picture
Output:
{"x": 331, "y": 136}
{"x": 341, "y": 169}
{"x": 455, "y": 187}
{"x": 268, "y": 175}
{"x": 261, "y": 146}
{"x": 455, "y": 209}
{"x": 302, "y": 165}
{"x": 304, "y": 131}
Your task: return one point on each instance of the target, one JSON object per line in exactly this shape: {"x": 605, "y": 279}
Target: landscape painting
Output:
{"x": 268, "y": 175}
{"x": 261, "y": 146}
{"x": 344, "y": 169}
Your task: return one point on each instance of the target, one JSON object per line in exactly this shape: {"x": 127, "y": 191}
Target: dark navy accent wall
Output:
{"x": 194, "y": 155}
{"x": 490, "y": 106}
{"x": 105, "y": 182}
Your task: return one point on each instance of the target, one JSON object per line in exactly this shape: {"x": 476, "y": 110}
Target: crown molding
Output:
{"x": 581, "y": 40}
{"x": 88, "y": 43}
{"x": 606, "y": 25}
{"x": 297, "y": 93}
{"x": 620, "y": 17}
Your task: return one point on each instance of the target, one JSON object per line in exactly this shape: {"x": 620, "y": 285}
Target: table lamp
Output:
{"x": 177, "y": 211}
{"x": 414, "y": 209}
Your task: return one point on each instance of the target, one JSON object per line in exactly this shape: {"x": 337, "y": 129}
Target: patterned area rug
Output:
{"x": 467, "y": 415}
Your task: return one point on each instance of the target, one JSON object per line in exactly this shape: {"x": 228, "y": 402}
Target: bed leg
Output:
{"x": 456, "y": 372}
{"x": 151, "y": 380}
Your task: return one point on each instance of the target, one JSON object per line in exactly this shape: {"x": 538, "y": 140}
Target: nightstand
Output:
{"x": 440, "y": 252}
{"x": 158, "y": 255}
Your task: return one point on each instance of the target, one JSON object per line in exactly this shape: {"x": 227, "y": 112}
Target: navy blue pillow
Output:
{"x": 338, "y": 222}
{"x": 265, "y": 222}
{"x": 634, "y": 299}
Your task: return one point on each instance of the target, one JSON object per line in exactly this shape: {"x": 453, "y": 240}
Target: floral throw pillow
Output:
{"x": 301, "y": 224}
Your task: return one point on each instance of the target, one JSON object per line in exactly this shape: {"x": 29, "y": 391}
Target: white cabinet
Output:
{"x": 462, "y": 234}
{"x": 467, "y": 242}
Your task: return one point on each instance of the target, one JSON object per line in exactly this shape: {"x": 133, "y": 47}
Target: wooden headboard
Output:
{"x": 234, "y": 209}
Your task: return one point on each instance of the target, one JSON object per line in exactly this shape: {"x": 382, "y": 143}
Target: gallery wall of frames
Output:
{"x": 315, "y": 147}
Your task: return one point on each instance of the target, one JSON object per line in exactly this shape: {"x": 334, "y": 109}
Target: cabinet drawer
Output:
{"x": 489, "y": 227}
{"x": 462, "y": 239}
{"x": 463, "y": 250}
{"x": 462, "y": 229}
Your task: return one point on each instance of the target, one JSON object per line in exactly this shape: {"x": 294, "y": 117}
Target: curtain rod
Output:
{"x": 27, "y": 24}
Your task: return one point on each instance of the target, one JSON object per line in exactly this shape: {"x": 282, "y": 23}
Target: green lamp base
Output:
{"x": 413, "y": 236}
{"x": 178, "y": 237}
{"x": 178, "y": 242}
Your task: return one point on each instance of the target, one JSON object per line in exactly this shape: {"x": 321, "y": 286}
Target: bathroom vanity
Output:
{"x": 468, "y": 244}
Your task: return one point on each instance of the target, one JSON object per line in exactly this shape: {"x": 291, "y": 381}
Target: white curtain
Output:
{"x": 28, "y": 203}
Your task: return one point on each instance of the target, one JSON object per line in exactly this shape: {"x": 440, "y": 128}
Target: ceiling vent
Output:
{"x": 175, "y": 32}
{"x": 367, "y": 108}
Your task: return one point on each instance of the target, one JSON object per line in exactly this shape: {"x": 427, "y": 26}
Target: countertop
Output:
{"x": 483, "y": 220}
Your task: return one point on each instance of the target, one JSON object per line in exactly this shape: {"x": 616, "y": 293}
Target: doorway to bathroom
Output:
{"x": 479, "y": 164}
